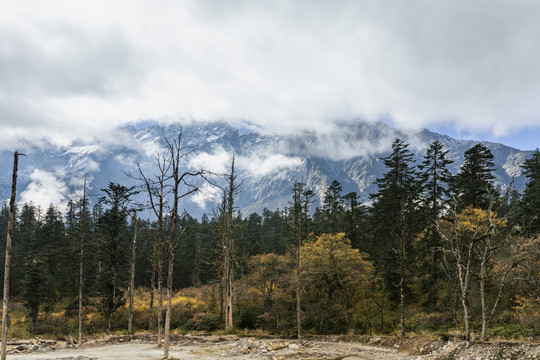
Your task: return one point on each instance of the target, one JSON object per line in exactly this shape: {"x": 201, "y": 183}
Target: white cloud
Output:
{"x": 45, "y": 188}
{"x": 264, "y": 165}
{"x": 79, "y": 69}
{"x": 217, "y": 162}
{"x": 207, "y": 194}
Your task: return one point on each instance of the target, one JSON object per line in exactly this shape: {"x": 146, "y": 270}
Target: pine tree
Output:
{"x": 473, "y": 184}
{"x": 435, "y": 181}
{"x": 354, "y": 217}
{"x": 394, "y": 219}
{"x": 528, "y": 212}
{"x": 113, "y": 237}
{"x": 332, "y": 208}
{"x": 56, "y": 254}
{"x": 36, "y": 281}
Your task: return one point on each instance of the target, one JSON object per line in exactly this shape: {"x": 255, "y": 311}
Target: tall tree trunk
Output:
{"x": 298, "y": 283}
{"x": 81, "y": 262}
{"x": 232, "y": 190}
{"x": 132, "y": 274}
{"x": 175, "y": 157}
{"x": 464, "y": 273}
{"x": 7, "y": 266}
{"x": 169, "y": 302}
{"x": 299, "y": 231}
{"x": 402, "y": 278}
{"x": 160, "y": 295}
{"x": 401, "y": 307}
{"x": 221, "y": 301}
{"x": 228, "y": 292}
{"x": 152, "y": 289}
{"x": 483, "y": 296}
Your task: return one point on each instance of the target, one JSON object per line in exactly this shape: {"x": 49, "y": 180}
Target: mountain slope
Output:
{"x": 268, "y": 165}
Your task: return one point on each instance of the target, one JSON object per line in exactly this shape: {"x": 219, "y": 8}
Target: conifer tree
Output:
{"x": 35, "y": 282}
{"x": 354, "y": 219}
{"x": 473, "y": 184}
{"x": 395, "y": 223}
{"x": 332, "y": 208}
{"x": 528, "y": 213}
{"x": 113, "y": 238}
{"x": 435, "y": 181}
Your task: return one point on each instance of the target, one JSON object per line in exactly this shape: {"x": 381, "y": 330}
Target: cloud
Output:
{"x": 264, "y": 165}
{"x": 45, "y": 188}
{"x": 217, "y": 162}
{"x": 207, "y": 194}
{"x": 77, "y": 70}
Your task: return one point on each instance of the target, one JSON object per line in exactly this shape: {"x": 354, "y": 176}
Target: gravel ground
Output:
{"x": 215, "y": 347}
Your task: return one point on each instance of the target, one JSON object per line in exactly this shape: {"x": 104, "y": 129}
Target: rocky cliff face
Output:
{"x": 268, "y": 165}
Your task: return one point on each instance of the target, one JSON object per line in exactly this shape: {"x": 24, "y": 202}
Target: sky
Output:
{"x": 72, "y": 70}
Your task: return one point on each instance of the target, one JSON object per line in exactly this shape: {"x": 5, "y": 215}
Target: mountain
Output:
{"x": 268, "y": 165}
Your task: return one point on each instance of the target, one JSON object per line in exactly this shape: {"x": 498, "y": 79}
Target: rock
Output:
{"x": 294, "y": 346}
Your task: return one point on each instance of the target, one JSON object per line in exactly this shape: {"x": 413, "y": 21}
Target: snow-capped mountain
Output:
{"x": 267, "y": 165}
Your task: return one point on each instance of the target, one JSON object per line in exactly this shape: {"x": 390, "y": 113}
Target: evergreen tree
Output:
{"x": 113, "y": 244}
{"x": 473, "y": 184}
{"x": 56, "y": 254}
{"x": 395, "y": 222}
{"x": 435, "y": 179}
{"x": 35, "y": 281}
{"x": 332, "y": 208}
{"x": 435, "y": 182}
{"x": 528, "y": 213}
{"x": 355, "y": 216}
{"x": 253, "y": 233}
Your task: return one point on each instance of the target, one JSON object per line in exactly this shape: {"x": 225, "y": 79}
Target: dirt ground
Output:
{"x": 213, "y": 347}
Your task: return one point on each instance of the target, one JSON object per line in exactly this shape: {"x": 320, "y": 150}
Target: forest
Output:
{"x": 432, "y": 253}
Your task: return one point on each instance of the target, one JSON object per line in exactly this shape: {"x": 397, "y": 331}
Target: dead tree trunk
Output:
{"x": 152, "y": 288}
{"x": 299, "y": 231}
{"x": 81, "y": 261}
{"x": 176, "y": 156}
{"x": 156, "y": 190}
{"x": 132, "y": 274}
{"x": 7, "y": 266}
{"x": 228, "y": 244}
{"x": 160, "y": 294}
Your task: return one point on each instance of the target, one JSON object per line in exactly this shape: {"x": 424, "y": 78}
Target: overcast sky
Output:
{"x": 75, "y": 69}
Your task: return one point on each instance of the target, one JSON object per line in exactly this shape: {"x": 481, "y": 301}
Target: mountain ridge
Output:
{"x": 268, "y": 164}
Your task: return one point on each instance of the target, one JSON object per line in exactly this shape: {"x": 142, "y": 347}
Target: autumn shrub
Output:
{"x": 421, "y": 321}
{"x": 265, "y": 297}
{"x": 203, "y": 322}
{"x": 527, "y": 314}
{"x": 336, "y": 279}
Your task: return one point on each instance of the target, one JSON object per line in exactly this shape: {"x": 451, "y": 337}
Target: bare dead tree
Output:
{"x": 7, "y": 265}
{"x": 298, "y": 190}
{"x": 227, "y": 219}
{"x": 132, "y": 274}
{"x": 82, "y": 235}
{"x": 157, "y": 191}
{"x": 181, "y": 187}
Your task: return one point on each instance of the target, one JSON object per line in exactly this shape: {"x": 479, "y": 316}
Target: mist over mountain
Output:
{"x": 267, "y": 164}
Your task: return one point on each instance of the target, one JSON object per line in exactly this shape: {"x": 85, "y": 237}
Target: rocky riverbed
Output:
{"x": 214, "y": 347}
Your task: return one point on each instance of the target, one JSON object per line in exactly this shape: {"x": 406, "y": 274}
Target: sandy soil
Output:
{"x": 222, "y": 348}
